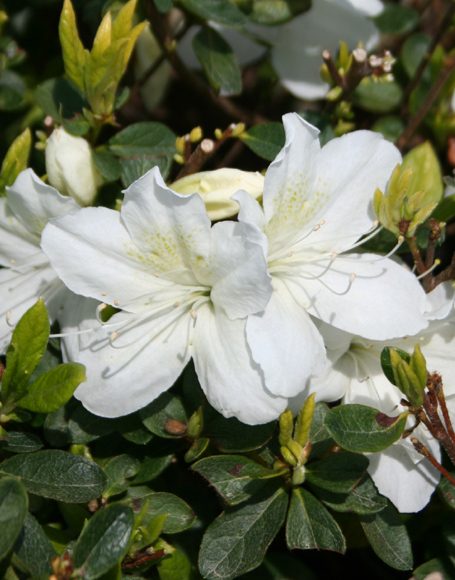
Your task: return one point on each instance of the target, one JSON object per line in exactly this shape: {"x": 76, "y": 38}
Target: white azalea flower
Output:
{"x": 184, "y": 290}
{"x": 26, "y": 274}
{"x": 298, "y": 46}
{"x": 399, "y": 472}
{"x": 317, "y": 204}
{"x": 70, "y": 166}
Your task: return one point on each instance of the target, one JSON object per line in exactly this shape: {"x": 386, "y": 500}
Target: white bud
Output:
{"x": 217, "y": 188}
{"x": 70, "y": 167}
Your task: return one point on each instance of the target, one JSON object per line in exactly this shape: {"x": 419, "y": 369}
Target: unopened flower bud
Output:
{"x": 406, "y": 379}
{"x": 286, "y": 422}
{"x": 304, "y": 420}
{"x": 217, "y": 188}
{"x": 196, "y": 134}
{"x": 70, "y": 167}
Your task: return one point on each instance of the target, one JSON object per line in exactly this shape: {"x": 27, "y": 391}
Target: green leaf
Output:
{"x": 179, "y": 514}
{"x": 73, "y": 52}
{"x": 396, "y": 19}
{"x": 266, "y": 139}
{"x": 363, "y": 499}
{"x": 151, "y": 468}
{"x": 309, "y": 525}
{"x": 33, "y": 549}
{"x": 363, "y": 429}
{"x": 27, "y": 347}
{"x": 221, "y": 11}
{"x": 426, "y": 172}
{"x": 281, "y": 566}
{"x": 57, "y": 475}
{"x": 378, "y": 95}
{"x": 176, "y": 566}
{"x": 442, "y": 569}
{"x": 413, "y": 50}
{"x": 389, "y": 538}
{"x": 104, "y": 541}
{"x": 163, "y": 5}
{"x": 386, "y": 363}
{"x": 339, "y": 472}
{"x": 108, "y": 165}
{"x": 447, "y": 491}
{"x": 273, "y": 11}
{"x": 236, "y": 542}
{"x": 119, "y": 470}
{"x": 445, "y": 211}
{"x": 13, "y": 509}
{"x": 141, "y": 146}
{"x": 218, "y": 61}
{"x": 391, "y": 126}
{"x": 197, "y": 449}
{"x": 53, "y": 389}
{"x": 235, "y": 477}
{"x": 16, "y": 159}
{"x": 232, "y": 436}
{"x": 21, "y": 442}
{"x": 165, "y": 416}
{"x": 59, "y": 99}
{"x": 12, "y": 91}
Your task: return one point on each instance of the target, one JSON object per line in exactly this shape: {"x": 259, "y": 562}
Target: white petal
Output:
{"x": 408, "y": 485}
{"x": 297, "y": 52}
{"x": 34, "y": 203}
{"x": 18, "y": 245}
{"x": 239, "y": 278}
{"x": 172, "y": 229}
{"x": 93, "y": 254}
{"x": 19, "y": 291}
{"x": 368, "y": 7}
{"x": 285, "y": 343}
{"x": 231, "y": 381}
{"x": 440, "y": 302}
{"x": 362, "y": 294}
{"x": 250, "y": 211}
{"x": 130, "y": 361}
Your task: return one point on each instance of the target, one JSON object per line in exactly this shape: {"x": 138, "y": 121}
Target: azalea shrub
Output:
{"x": 227, "y": 320}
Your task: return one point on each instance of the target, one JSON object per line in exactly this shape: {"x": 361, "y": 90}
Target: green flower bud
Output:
{"x": 406, "y": 379}
{"x": 304, "y": 420}
{"x": 286, "y": 426}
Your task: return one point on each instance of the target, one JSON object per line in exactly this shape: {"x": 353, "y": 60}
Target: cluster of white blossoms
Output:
{"x": 272, "y": 307}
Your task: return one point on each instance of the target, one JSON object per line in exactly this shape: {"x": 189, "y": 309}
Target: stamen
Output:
{"x": 435, "y": 265}
{"x": 352, "y": 277}
{"x": 72, "y": 333}
{"x": 9, "y": 321}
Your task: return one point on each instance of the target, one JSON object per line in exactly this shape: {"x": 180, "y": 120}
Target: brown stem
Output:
{"x": 432, "y": 95}
{"x": 420, "y": 448}
{"x": 330, "y": 63}
{"x": 446, "y": 275}
{"x": 439, "y": 390}
{"x": 440, "y": 31}
{"x": 438, "y": 430}
{"x": 416, "y": 255}
{"x": 198, "y": 157}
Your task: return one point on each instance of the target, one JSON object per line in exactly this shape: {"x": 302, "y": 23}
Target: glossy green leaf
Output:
{"x": 378, "y": 95}
{"x": 362, "y": 429}
{"x": 165, "y": 416}
{"x": 391, "y": 126}
{"x": 447, "y": 491}
{"x": 232, "y": 436}
{"x": 176, "y": 566}
{"x": 235, "y": 477}
{"x": 338, "y": 472}
{"x": 59, "y": 99}
{"x": 57, "y": 475}
{"x": 179, "y": 515}
{"x": 33, "y": 549}
{"x": 108, "y": 165}
{"x": 221, "y": 11}
{"x": 309, "y": 525}
{"x": 13, "y": 509}
{"x": 266, "y": 140}
{"x": 151, "y": 467}
{"x": 53, "y": 389}
{"x": 119, "y": 470}
{"x": 363, "y": 499}
{"x": 12, "y": 91}
{"x": 140, "y": 147}
{"x": 413, "y": 50}
{"x": 389, "y": 538}
{"x": 236, "y": 542}
{"x": 27, "y": 346}
{"x": 396, "y": 19}
{"x": 21, "y": 442}
{"x": 445, "y": 211}
{"x": 441, "y": 569}
{"x": 218, "y": 61}
{"x": 104, "y": 541}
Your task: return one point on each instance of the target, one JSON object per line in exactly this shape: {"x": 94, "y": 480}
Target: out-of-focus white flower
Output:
{"x": 217, "y": 188}
{"x": 26, "y": 274}
{"x": 317, "y": 205}
{"x": 399, "y": 472}
{"x": 184, "y": 290}
{"x": 70, "y": 167}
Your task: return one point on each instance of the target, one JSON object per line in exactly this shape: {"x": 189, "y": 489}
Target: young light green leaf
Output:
{"x": 273, "y": 11}
{"x": 74, "y": 54}
{"x": 27, "y": 347}
{"x": 236, "y": 542}
{"x": 218, "y": 61}
{"x": 33, "y": 549}
{"x": 57, "y": 475}
{"x": 362, "y": 429}
{"x": 16, "y": 159}
{"x": 426, "y": 174}
{"x": 309, "y": 525}
{"x": 265, "y": 140}
{"x": 235, "y": 477}
{"x": 389, "y": 538}
{"x": 13, "y": 509}
{"x": 176, "y": 566}
{"x": 179, "y": 515}
{"x": 104, "y": 541}
{"x": 338, "y": 472}
{"x": 53, "y": 389}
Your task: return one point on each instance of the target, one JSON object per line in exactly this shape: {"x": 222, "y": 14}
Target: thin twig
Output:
{"x": 420, "y": 448}
{"x": 440, "y": 31}
{"x": 438, "y": 431}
